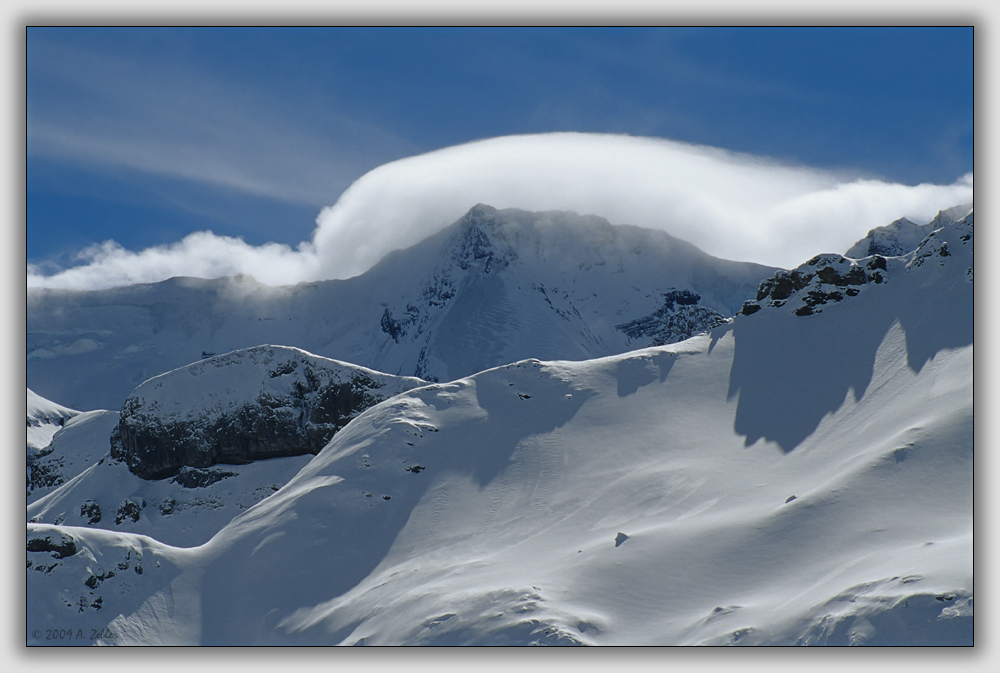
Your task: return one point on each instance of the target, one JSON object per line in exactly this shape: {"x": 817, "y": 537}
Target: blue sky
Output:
{"x": 144, "y": 136}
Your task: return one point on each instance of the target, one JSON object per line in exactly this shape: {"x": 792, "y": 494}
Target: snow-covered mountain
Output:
{"x": 790, "y": 477}
{"x": 902, "y": 236}
{"x": 45, "y": 419}
{"x": 62, "y": 442}
{"x": 495, "y": 287}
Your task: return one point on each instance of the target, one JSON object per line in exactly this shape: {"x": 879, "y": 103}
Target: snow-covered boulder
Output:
{"x": 251, "y": 404}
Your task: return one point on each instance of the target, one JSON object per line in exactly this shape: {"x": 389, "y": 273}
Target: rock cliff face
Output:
{"x": 256, "y": 403}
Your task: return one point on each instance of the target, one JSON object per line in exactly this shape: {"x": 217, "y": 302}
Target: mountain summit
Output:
{"x": 494, "y": 287}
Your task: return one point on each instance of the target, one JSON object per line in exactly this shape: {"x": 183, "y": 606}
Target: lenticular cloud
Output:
{"x": 731, "y": 205}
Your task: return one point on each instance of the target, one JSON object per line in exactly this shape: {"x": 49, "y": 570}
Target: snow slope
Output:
{"x": 62, "y": 443}
{"x": 45, "y": 419}
{"x": 494, "y": 287}
{"x": 784, "y": 479}
{"x": 266, "y": 405}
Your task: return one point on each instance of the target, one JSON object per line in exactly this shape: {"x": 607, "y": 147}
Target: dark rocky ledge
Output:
{"x": 821, "y": 280}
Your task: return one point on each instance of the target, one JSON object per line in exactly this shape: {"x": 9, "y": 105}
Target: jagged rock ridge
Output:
{"x": 831, "y": 278}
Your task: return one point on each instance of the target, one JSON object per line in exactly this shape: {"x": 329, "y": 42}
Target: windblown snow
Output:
{"x": 799, "y": 473}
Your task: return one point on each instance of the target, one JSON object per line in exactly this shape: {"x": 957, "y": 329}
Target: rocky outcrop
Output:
{"x": 256, "y": 403}
{"x": 831, "y": 278}
{"x": 679, "y": 318}
{"x": 821, "y": 280}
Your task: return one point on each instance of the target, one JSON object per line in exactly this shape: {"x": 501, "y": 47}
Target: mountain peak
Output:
{"x": 481, "y": 237}
{"x": 482, "y": 211}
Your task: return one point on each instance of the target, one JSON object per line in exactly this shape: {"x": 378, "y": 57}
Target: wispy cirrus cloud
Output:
{"x": 179, "y": 121}
{"x": 735, "y": 206}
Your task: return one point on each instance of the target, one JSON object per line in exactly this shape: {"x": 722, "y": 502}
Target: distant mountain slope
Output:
{"x": 495, "y": 287}
{"x": 788, "y": 478}
{"x": 902, "y": 236}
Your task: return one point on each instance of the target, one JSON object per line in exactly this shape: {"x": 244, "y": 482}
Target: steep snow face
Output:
{"x": 253, "y": 404}
{"x": 62, "y": 443}
{"x": 45, "y": 418}
{"x": 494, "y": 287}
{"x": 783, "y": 479}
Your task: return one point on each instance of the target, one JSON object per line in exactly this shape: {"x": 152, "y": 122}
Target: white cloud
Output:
{"x": 731, "y": 205}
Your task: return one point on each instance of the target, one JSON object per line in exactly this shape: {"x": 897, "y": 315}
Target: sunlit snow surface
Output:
{"x": 780, "y": 480}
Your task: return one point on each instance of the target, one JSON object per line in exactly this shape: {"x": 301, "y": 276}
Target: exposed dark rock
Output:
{"x": 782, "y": 284}
{"x": 43, "y": 473}
{"x": 61, "y": 547}
{"x": 92, "y": 510}
{"x": 393, "y": 328}
{"x": 94, "y": 581}
{"x": 855, "y": 276}
{"x": 822, "y": 280}
{"x": 679, "y": 318}
{"x": 129, "y": 509}
{"x": 192, "y": 477}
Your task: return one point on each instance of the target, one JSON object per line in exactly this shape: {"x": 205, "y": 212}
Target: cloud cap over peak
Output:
{"x": 731, "y": 205}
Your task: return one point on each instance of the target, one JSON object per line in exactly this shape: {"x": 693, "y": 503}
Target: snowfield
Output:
{"x": 782, "y": 479}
